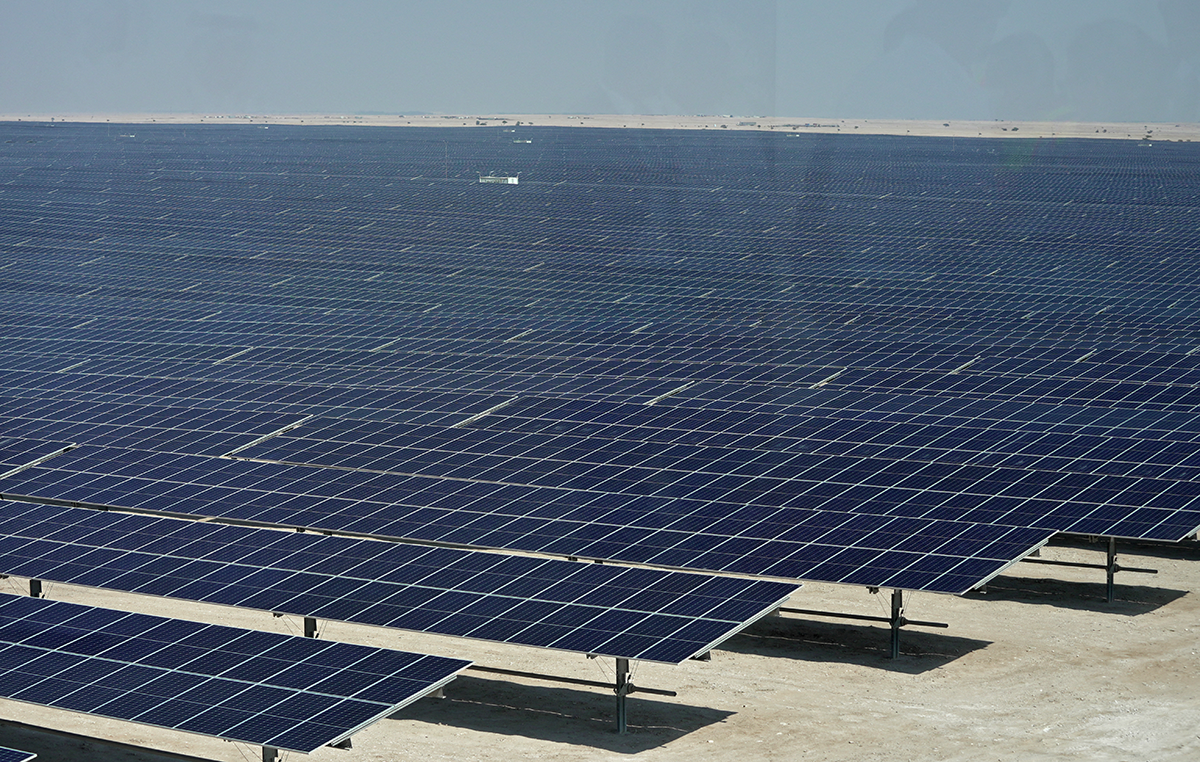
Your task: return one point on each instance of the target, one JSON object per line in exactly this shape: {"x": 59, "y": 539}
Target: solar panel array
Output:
{"x": 685, "y": 532}
{"x": 263, "y": 688}
{"x": 883, "y": 361}
{"x": 595, "y": 609}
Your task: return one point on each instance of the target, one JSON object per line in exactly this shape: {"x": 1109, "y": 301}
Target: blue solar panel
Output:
{"x": 672, "y": 531}
{"x": 13, "y": 755}
{"x": 17, "y": 451}
{"x": 262, "y": 688}
{"x": 668, "y": 616}
{"x": 634, "y": 463}
{"x": 152, "y": 427}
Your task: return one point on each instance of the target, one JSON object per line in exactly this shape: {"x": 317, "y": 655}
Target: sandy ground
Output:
{"x": 1038, "y": 668}
{"x": 992, "y": 129}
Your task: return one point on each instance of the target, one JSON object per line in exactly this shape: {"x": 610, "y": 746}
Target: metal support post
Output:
{"x": 310, "y": 627}
{"x": 1111, "y": 569}
{"x": 897, "y": 621}
{"x": 270, "y": 754}
{"x": 624, "y": 687}
{"x": 35, "y": 588}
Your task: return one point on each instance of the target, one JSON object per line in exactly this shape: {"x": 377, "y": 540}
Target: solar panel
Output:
{"x": 643, "y": 614}
{"x": 18, "y": 451}
{"x": 171, "y": 429}
{"x": 13, "y": 755}
{"x": 756, "y": 477}
{"x": 262, "y": 688}
{"x": 908, "y": 552}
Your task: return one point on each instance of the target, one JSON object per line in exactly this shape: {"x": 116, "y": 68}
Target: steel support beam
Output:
{"x": 565, "y": 680}
{"x": 1110, "y": 567}
{"x": 859, "y": 617}
{"x": 896, "y": 622}
{"x": 623, "y": 689}
{"x": 1110, "y": 570}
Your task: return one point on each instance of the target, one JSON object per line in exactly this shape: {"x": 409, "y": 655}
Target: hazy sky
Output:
{"x": 1125, "y": 60}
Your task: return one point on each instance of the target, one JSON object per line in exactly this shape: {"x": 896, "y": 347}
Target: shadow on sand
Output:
{"x": 1130, "y": 599}
{"x": 61, "y": 746}
{"x": 576, "y": 716}
{"x": 866, "y": 645}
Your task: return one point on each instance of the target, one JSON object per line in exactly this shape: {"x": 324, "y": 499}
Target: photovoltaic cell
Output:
{"x": 261, "y": 688}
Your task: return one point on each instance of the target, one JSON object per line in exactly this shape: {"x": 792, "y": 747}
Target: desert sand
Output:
{"x": 948, "y": 128}
{"x": 1038, "y": 668}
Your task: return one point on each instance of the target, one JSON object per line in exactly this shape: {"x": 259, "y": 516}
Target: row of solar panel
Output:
{"x": 261, "y": 688}
{"x": 595, "y": 609}
{"x": 496, "y": 272}
{"x": 966, "y": 441}
{"x": 710, "y": 459}
{"x": 496, "y": 261}
{"x": 407, "y": 209}
{"x": 790, "y": 294}
{"x": 1070, "y": 266}
{"x": 101, "y": 336}
{"x": 635, "y": 341}
{"x": 522, "y": 355}
{"x": 935, "y": 283}
{"x": 113, "y": 372}
{"x": 912, "y": 552}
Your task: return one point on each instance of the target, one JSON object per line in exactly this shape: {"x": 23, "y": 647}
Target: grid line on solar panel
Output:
{"x": 664, "y": 616}
{"x": 261, "y": 688}
{"x": 671, "y": 531}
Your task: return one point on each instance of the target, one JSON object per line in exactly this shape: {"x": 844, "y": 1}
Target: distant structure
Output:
{"x": 502, "y": 179}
